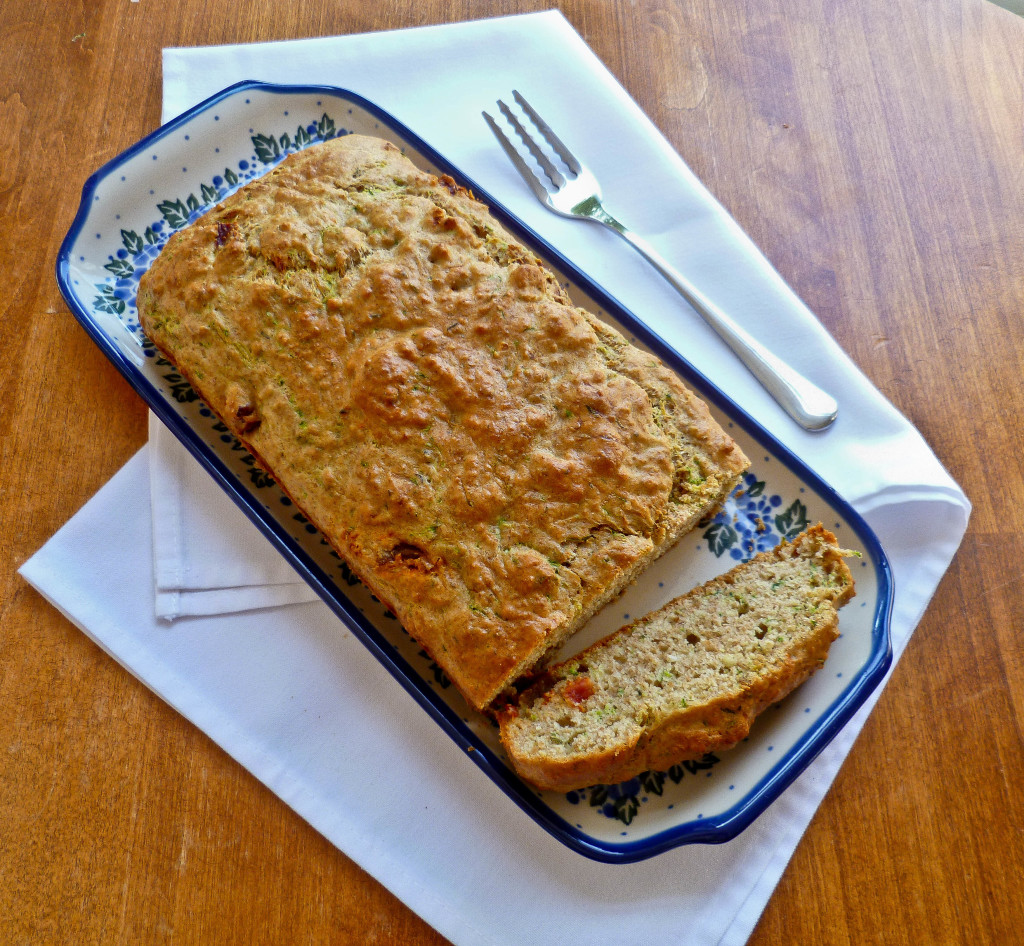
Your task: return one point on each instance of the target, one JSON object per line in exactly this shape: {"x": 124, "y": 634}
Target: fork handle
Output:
{"x": 803, "y": 400}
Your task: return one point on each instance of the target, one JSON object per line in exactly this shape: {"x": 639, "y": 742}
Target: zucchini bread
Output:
{"x": 492, "y": 461}
{"x": 687, "y": 679}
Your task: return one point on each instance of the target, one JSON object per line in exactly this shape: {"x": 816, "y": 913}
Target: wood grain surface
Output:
{"x": 872, "y": 149}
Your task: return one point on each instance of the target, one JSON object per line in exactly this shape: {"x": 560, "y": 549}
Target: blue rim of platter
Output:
{"x": 716, "y": 827}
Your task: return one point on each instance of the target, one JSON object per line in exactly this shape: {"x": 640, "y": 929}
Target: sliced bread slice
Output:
{"x": 687, "y": 679}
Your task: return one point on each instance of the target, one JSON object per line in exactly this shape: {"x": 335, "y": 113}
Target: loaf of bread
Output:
{"x": 687, "y": 679}
{"x": 492, "y": 461}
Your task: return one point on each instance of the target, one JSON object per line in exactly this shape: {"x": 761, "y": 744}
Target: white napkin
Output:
{"x": 374, "y": 775}
{"x": 202, "y": 570}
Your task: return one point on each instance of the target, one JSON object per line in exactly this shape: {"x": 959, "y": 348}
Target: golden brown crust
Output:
{"x": 687, "y": 679}
{"x": 491, "y": 461}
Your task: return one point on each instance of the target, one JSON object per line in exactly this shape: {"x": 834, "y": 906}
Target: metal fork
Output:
{"x": 579, "y": 196}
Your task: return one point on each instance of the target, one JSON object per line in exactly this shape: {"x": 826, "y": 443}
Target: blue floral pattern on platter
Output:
{"x": 623, "y": 802}
{"x": 754, "y": 521}
{"x": 129, "y": 210}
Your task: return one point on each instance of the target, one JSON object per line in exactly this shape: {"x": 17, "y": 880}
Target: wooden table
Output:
{"x": 872, "y": 149}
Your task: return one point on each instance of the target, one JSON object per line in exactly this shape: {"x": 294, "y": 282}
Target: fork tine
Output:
{"x": 517, "y": 160}
{"x": 545, "y": 129}
{"x": 539, "y": 156}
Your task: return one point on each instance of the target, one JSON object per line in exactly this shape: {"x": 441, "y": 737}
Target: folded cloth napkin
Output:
{"x": 374, "y": 775}
{"x": 202, "y": 570}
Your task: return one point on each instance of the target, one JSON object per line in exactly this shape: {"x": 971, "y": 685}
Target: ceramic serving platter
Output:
{"x": 164, "y": 182}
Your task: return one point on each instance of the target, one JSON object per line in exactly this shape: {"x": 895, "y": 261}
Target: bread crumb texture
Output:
{"x": 493, "y": 462}
{"x": 687, "y": 679}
